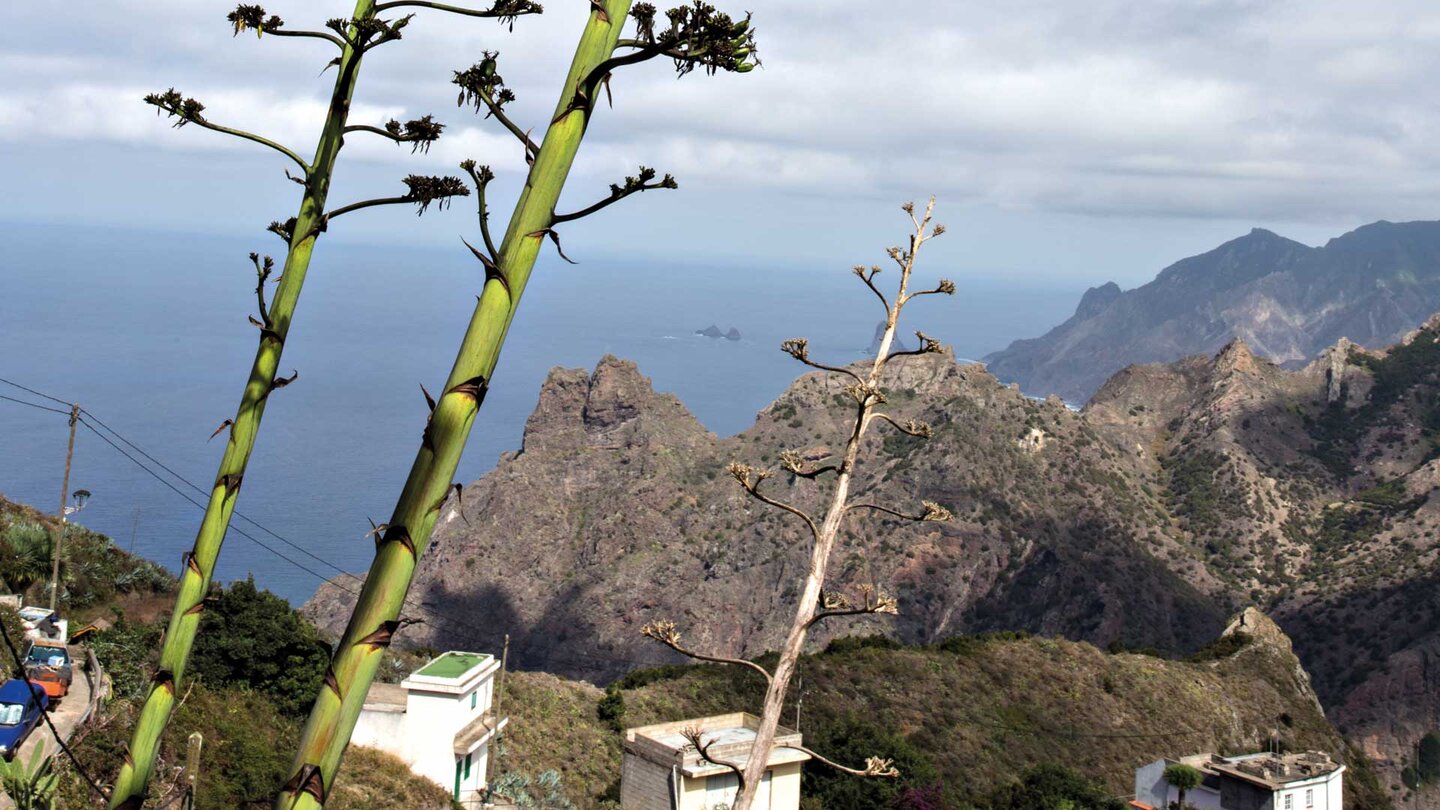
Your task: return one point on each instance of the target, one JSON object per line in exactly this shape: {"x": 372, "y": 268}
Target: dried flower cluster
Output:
{"x": 363, "y": 33}
{"x": 425, "y": 189}
{"x": 421, "y": 132}
{"x": 185, "y": 110}
{"x": 252, "y": 17}
{"x": 698, "y": 36}
{"x": 480, "y": 85}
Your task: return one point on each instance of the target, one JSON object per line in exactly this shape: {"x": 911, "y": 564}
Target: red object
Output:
{"x": 51, "y": 682}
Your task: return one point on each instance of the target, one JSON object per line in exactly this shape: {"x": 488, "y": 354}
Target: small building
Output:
{"x": 1264, "y": 781}
{"x": 438, "y": 721}
{"x": 663, "y": 771}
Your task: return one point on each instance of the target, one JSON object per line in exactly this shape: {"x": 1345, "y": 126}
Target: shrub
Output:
{"x": 850, "y": 740}
{"x": 1053, "y": 786}
{"x": 1222, "y": 647}
{"x": 253, "y": 638}
{"x": 611, "y": 708}
{"x": 846, "y": 644}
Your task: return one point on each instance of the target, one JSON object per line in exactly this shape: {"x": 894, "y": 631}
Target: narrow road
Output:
{"x": 66, "y": 716}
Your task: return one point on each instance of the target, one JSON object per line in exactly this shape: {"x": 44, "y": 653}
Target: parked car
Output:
{"x": 22, "y": 703}
{"x": 49, "y": 663}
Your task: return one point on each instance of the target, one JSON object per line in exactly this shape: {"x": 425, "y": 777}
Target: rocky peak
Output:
{"x": 614, "y": 406}
{"x": 1236, "y": 358}
{"x": 1430, "y": 327}
{"x": 1254, "y": 623}
{"x": 1096, "y": 299}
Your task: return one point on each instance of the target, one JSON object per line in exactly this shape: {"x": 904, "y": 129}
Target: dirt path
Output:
{"x": 66, "y": 716}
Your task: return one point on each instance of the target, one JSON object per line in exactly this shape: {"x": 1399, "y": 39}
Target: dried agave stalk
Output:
{"x": 816, "y": 603}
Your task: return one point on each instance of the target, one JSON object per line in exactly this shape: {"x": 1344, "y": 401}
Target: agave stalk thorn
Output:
{"x": 508, "y": 267}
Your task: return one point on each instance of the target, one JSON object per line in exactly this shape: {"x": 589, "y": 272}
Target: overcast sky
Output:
{"x": 1075, "y": 140}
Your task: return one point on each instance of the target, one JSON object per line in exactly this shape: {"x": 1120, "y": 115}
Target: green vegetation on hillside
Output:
{"x": 970, "y": 716}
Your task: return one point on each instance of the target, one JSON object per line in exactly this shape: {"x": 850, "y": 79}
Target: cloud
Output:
{"x": 1300, "y": 109}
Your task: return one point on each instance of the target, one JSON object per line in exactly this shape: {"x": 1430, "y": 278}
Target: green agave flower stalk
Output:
{"x": 353, "y": 37}
{"x": 697, "y": 36}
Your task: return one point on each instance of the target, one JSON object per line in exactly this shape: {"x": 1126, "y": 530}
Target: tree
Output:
{"x": 1183, "y": 778}
{"x": 853, "y": 738}
{"x": 611, "y": 708}
{"x": 1429, "y": 764}
{"x": 352, "y": 37}
{"x": 253, "y": 638}
{"x": 25, "y": 555}
{"x": 691, "y": 36}
{"x": 864, "y": 386}
{"x": 1055, "y": 787}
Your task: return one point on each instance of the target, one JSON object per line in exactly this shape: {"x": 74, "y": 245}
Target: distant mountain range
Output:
{"x": 1288, "y": 301}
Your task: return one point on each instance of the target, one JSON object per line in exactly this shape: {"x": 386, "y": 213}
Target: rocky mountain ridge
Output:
{"x": 1287, "y": 300}
{"x": 1181, "y": 493}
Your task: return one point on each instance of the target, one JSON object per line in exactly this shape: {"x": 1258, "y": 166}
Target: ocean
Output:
{"x": 148, "y": 332}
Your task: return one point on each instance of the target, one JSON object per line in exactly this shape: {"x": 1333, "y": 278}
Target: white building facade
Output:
{"x": 662, "y": 771}
{"x": 1264, "y": 781}
{"x": 438, "y": 721}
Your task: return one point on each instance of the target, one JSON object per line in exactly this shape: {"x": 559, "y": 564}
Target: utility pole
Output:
{"x": 64, "y": 500}
{"x": 192, "y": 768}
{"x": 799, "y": 699}
{"x": 495, "y": 710}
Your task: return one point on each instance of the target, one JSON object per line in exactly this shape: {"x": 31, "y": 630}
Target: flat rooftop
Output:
{"x": 453, "y": 664}
{"x": 1273, "y": 771}
{"x": 729, "y": 737}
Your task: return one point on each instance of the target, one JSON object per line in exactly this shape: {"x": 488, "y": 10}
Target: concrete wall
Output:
{"x": 384, "y": 730}
{"x": 1152, "y": 789}
{"x": 645, "y": 785}
{"x": 1325, "y": 794}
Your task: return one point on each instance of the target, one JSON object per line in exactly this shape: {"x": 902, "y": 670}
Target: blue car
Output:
{"x": 21, "y": 705}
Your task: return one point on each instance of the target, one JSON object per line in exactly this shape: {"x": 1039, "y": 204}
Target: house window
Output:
{"x": 1309, "y": 797}
{"x": 457, "y": 780}
{"x": 473, "y": 696}
{"x": 467, "y": 766}
{"x": 720, "y": 790}
{"x": 1289, "y": 802}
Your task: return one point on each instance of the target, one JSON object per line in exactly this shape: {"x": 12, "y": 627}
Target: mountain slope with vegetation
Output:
{"x": 966, "y": 718}
{"x": 1287, "y": 300}
{"x": 1181, "y": 493}
{"x": 257, "y": 664}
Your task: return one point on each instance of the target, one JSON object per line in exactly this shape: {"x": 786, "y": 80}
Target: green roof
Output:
{"x": 452, "y": 664}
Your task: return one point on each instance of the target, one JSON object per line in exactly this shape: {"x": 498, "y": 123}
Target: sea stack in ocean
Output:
{"x": 713, "y": 331}
{"x": 896, "y": 345}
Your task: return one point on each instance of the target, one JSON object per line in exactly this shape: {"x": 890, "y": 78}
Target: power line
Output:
{"x": 201, "y": 506}
{"x": 205, "y": 493}
{"x": 36, "y": 393}
{"x": 32, "y": 405}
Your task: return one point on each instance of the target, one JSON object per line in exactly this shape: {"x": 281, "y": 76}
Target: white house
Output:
{"x": 663, "y": 771}
{"x": 438, "y": 721}
{"x": 1264, "y": 781}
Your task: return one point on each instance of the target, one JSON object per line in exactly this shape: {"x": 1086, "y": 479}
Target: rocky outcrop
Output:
{"x": 1288, "y": 301}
